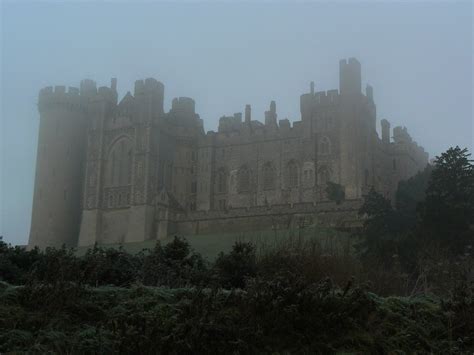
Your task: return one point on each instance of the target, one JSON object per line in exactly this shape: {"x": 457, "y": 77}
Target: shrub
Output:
{"x": 234, "y": 268}
{"x": 174, "y": 265}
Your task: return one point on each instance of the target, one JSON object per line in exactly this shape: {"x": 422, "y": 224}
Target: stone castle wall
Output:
{"x": 112, "y": 172}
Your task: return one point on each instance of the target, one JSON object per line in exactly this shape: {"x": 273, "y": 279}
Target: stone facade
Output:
{"x": 111, "y": 172}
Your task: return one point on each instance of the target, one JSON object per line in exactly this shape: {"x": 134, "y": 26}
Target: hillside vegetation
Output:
{"x": 406, "y": 288}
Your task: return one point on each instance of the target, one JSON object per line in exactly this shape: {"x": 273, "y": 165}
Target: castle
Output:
{"x": 113, "y": 172}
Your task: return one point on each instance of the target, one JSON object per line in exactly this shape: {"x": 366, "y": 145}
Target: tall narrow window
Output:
{"x": 325, "y": 146}
{"x": 323, "y": 176}
{"x": 119, "y": 163}
{"x": 292, "y": 173}
{"x": 243, "y": 182}
{"x": 221, "y": 181}
{"x": 268, "y": 176}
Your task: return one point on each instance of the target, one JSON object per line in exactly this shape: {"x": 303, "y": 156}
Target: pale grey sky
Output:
{"x": 417, "y": 56}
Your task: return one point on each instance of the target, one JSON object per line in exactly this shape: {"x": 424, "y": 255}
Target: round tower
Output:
{"x": 59, "y": 167}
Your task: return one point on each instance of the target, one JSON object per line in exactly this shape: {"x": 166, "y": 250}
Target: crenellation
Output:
{"x": 61, "y": 89}
{"x": 146, "y": 174}
{"x": 73, "y": 90}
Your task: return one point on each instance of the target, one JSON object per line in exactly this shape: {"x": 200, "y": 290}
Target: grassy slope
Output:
{"x": 210, "y": 245}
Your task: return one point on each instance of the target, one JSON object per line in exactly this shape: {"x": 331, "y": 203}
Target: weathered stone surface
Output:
{"x": 114, "y": 172}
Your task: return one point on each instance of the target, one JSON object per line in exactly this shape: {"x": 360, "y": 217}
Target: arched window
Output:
{"x": 323, "y": 176}
{"x": 325, "y": 146}
{"x": 292, "y": 173}
{"x": 243, "y": 179}
{"x": 308, "y": 176}
{"x": 119, "y": 163}
{"x": 221, "y": 181}
{"x": 268, "y": 176}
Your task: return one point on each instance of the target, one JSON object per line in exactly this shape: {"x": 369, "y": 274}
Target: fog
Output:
{"x": 417, "y": 57}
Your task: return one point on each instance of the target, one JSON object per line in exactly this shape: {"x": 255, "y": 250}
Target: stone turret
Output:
{"x": 59, "y": 166}
{"x": 350, "y": 79}
{"x": 149, "y": 95}
{"x": 271, "y": 115}
{"x": 248, "y": 114}
{"x": 385, "y": 131}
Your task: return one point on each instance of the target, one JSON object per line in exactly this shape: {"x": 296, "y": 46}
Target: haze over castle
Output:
{"x": 112, "y": 172}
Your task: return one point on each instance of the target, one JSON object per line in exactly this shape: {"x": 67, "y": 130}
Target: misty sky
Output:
{"x": 418, "y": 57}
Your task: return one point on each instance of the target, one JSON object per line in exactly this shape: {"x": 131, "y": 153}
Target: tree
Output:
{"x": 174, "y": 265}
{"x": 448, "y": 211}
{"x": 335, "y": 192}
{"x": 382, "y": 229}
{"x": 234, "y": 268}
{"x": 410, "y": 193}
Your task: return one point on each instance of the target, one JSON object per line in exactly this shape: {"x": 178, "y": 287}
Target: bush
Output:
{"x": 110, "y": 266}
{"x": 174, "y": 265}
{"x": 234, "y": 268}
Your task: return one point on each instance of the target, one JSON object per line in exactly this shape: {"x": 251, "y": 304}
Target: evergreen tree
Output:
{"x": 448, "y": 211}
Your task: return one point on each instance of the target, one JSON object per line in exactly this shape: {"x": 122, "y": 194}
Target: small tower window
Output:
{"x": 325, "y": 146}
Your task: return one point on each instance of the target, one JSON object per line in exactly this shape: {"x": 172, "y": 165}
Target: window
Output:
{"x": 221, "y": 181}
{"x": 325, "y": 146}
{"x": 292, "y": 172}
{"x": 268, "y": 176}
{"x": 222, "y": 204}
{"x": 243, "y": 182}
{"x": 308, "y": 176}
{"x": 119, "y": 163}
{"x": 394, "y": 164}
{"x": 323, "y": 176}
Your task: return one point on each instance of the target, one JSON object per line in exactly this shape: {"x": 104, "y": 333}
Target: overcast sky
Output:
{"x": 418, "y": 57}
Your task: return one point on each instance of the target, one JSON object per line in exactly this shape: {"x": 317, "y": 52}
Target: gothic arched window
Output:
{"x": 243, "y": 179}
{"x": 221, "y": 181}
{"x": 292, "y": 173}
{"x": 119, "y": 163}
{"x": 323, "y": 175}
{"x": 325, "y": 146}
{"x": 268, "y": 176}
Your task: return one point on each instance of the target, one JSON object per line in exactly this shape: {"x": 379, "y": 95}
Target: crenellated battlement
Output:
{"x": 50, "y": 97}
{"x": 76, "y": 98}
{"x": 183, "y": 105}
{"x": 312, "y": 101}
{"x": 148, "y": 86}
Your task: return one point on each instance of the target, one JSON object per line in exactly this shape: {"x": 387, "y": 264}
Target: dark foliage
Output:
{"x": 295, "y": 298}
{"x": 335, "y": 192}
{"x": 15, "y": 262}
{"x": 174, "y": 265}
{"x": 410, "y": 193}
{"x": 448, "y": 210}
{"x": 110, "y": 266}
{"x": 234, "y": 268}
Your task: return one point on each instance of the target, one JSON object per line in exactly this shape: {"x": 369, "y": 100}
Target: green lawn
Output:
{"x": 210, "y": 245}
